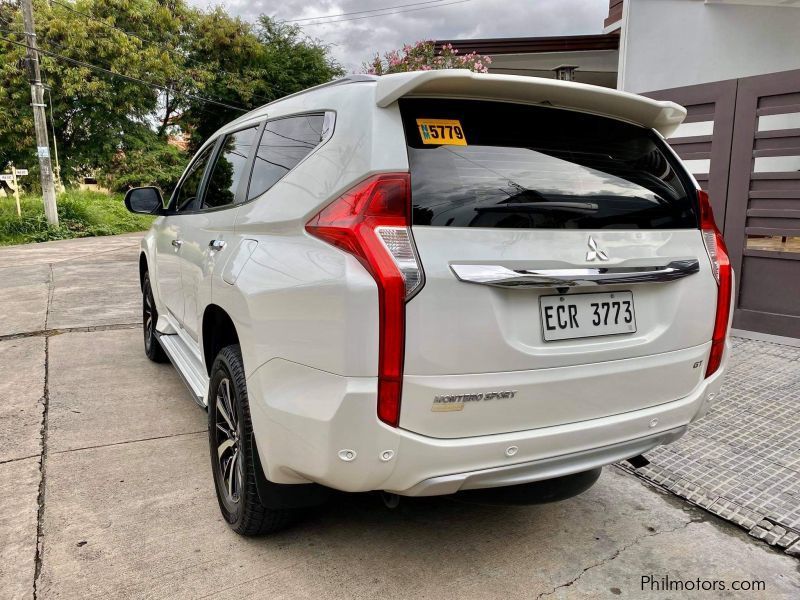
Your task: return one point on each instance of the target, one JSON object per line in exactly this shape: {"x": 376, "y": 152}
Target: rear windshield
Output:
{"x": 493, "y": 164}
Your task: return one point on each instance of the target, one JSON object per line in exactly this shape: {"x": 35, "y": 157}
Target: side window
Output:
{"x": 186, "y": 198}
{"x": 285, "y": 143}
{"x": 228, "y": 170}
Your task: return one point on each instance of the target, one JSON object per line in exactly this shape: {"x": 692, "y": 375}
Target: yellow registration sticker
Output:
{"x": 441, "y": 131}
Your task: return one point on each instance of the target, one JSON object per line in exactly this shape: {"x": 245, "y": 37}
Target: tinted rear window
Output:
{"x": 529, "y": 167}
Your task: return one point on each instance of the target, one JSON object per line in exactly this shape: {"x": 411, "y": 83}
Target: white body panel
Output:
{"x": 200, "y": 265}
{"x": 164, "y": 256}
{"x": 311, "y": 415}
{"x": 500, "y": 329}
{"x": 306, "y": 316}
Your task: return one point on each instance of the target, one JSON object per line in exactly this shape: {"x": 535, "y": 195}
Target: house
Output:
{"x": 735, "y": 65}
{"x": 585, "y": 58}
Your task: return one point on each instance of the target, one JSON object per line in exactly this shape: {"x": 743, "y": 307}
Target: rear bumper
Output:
{"x": 312, "y": 425}
{"x": 546, "y": 468}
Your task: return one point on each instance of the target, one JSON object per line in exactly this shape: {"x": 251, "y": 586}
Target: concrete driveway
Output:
{"x": 106, "y": 490}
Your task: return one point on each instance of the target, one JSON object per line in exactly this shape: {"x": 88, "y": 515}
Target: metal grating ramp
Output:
{"x": 742, "y": 461}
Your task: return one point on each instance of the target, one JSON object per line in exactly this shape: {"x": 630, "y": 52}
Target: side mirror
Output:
{"x": 144, "y": 200}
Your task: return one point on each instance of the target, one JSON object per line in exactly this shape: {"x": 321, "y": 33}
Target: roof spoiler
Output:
{"x": 662, "y": 116}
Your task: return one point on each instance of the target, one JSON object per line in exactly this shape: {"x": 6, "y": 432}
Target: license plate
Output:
{"x": 587, "y": 315}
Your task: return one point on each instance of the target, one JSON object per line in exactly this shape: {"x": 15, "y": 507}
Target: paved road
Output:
{"x": 104, "y": 463}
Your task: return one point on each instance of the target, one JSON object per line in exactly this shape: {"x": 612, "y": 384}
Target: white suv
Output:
{"x": 432, "y": 282}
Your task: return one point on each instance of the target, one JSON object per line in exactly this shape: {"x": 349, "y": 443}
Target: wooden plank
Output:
{"x": 769, "y": 231}
{"x": 776, "y": 213}
{"x": 682, "y": 149}
{"x": 793, "y": 151}
{"x": 777, "y": 133}
{"x": 776, "y": 194}
{"x": 772, "y": 254}
{"x": 777, "y": 143}
{"x": 693, "y": 155}
{"x": 700, "y": 112}
{"x": 780, "y": 109}
{"x": 768, "y": 99}
{"x": 776, "y": 175}
{"x": 692, "y": 139}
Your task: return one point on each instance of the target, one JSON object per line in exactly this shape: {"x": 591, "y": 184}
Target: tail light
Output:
{"x": 372, "y": 222}
{"x": 721, "y": 266}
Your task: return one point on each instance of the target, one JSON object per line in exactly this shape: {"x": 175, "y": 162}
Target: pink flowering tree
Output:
{"x": 423, "y": 56}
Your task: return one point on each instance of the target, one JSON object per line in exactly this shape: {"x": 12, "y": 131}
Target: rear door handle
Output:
{"x": 217, "y": 245}
{"x": 177, "y": 243}
{"x": 500, "y": 276}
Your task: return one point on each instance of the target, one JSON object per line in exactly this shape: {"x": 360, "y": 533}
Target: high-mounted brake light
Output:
{"x": 721, "y": 267}
{"x": 372, "y": 222}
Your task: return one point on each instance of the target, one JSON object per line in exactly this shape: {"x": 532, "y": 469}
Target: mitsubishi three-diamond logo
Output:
{"x": 594, "y": 252}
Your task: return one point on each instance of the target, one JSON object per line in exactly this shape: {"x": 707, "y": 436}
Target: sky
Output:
{"x": 356, "y": 41}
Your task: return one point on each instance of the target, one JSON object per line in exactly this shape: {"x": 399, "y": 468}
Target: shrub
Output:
{"x": 423, "y": 56}
{"x": 80, "y": 214}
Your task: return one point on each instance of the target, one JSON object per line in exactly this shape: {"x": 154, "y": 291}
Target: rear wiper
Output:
{"x": 580, "y": 207}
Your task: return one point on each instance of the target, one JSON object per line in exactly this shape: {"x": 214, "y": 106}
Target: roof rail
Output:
{"x": 355, "y": 78}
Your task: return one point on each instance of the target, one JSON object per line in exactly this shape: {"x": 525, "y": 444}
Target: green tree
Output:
{"x": 146, "y": 158}
{"x": 252, "y": 65}
{"x": 92, "y": 111}
{"x": 101, "y": 121}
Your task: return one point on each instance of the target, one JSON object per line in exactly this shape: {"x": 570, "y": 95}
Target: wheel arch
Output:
{"x": 218, "y": 331}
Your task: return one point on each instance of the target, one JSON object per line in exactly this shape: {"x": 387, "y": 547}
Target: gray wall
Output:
{"x": 674, "y": 43}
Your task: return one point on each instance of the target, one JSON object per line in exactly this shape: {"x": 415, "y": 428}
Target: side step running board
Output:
{"x": 187, "y": 366}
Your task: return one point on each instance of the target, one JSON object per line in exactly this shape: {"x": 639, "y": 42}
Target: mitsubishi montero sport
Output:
{"x": 430, "y": 282}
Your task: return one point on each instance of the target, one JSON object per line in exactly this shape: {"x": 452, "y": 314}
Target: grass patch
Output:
{"x": 80, "y": 214}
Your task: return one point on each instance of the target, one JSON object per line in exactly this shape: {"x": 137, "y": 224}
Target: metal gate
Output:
{"x": 741, "y": 140}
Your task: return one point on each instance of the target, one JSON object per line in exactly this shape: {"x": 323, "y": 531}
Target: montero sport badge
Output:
{"x": 454, "y": 402}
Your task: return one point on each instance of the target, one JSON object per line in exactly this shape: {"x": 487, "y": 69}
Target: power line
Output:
{"x": 160, "y": 46}
{"x": 397, "y": 12}
{"x": 87, "y": 65}
{"x": 358, "y": 12}
{"x": 109, "y": 67}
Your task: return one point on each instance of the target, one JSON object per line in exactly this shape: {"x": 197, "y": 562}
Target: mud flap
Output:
{"x": 277, "y": 496}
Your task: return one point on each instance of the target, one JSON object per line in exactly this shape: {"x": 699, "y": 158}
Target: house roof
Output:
{"x": 529, "y": 45}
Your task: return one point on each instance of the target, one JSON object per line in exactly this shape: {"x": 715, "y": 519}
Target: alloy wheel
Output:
{"x": 148, "y": 316}
{"x": 229, "y": 454}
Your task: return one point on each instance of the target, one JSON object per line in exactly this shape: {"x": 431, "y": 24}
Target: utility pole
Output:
{"x": 39, "y": 115}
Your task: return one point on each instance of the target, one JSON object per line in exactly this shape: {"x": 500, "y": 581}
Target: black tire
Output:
{"x": 237, "y": 493}
{"x": 152, "y": 348}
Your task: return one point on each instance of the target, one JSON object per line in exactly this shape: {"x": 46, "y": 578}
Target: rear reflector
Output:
{"x": 399, "y": 244}
{"x": 721, "y": 267}
{"x": 371, "y": 221}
